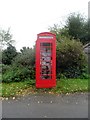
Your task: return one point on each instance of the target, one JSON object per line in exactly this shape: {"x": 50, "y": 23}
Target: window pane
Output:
{"x": 46, "y": 60}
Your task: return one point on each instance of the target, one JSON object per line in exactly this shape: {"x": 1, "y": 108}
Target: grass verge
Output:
{"x": 63, "y": 86}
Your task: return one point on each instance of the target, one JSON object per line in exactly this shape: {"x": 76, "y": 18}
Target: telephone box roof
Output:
{"x": 46, "y": 33}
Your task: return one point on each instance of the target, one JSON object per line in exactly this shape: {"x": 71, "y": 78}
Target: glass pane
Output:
{"x": 46, "y": 60}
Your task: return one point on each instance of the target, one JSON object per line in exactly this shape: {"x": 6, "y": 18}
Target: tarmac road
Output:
{"x": 47, "y": 106}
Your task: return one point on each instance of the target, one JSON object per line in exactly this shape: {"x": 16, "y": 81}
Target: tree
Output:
{"x": 78, "y": 27}
{"x": 6, "y": 41}
{"x": 56, "y": 30}
{"x": 5, "y": 38}
{"x": 8, "y": 54}
{"x": 24, "y": 49}
{"x": 87, "y": 31}
{"x": 60, "y": 32}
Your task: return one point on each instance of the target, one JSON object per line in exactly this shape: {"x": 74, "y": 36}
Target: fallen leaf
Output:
{"x": 13, "y": 98}
{"x": 50, "y": 101}
{"x": 28, "y": 104}
{"x": 6, "y": 98}
{"x": 38, "y": 102}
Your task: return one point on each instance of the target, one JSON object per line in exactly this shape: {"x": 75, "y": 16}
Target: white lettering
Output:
{"x": 46, "y": 37}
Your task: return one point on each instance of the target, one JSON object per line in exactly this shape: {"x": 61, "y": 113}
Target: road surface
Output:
{"x": 46, "y": 106}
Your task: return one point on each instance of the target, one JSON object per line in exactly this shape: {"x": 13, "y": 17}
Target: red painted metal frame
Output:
{"x": 46, "y": 37}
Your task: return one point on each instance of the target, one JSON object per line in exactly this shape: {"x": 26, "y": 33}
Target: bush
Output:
{"x": 5, "y": 68}
{"x": 0, "y": 68}
{"x": 8, "y": 55}
{"x": 71, "y": 59}
{"x": 22, "y": 68}
{"x": 16, "y": 74}
{"x": 25, "y": 58}
{"x": 85, "y": 74}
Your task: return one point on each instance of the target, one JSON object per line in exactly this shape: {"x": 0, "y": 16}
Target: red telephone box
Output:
{"x": 46, "y": 60}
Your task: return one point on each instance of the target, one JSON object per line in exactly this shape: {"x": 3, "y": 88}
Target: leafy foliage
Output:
{"x": 70, "y": 58}
{"x": 0, "y": 56}
{"x": 5, "y": 68}
{"x": 5, "y": 38}
{"x": 17, "y": 74}
{"x": 8, "y": 54}
{"x": 78, "y": 27}
{"x": 56, "y": 30}
{"x": 22, "y": 67}
{"x": 25, "y": 58}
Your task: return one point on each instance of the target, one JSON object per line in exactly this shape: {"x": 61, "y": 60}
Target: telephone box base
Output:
{"x": 45, "y": 86}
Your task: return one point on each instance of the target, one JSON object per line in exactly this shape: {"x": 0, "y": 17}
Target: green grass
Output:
{"x": 13, "y": 89}
{"x": 68, "y": 86}
{"x": 63, "y": 86}
{"x": 71, "y": 85}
